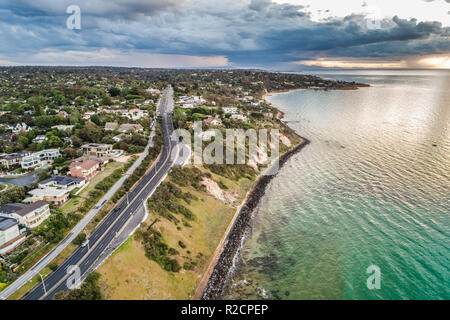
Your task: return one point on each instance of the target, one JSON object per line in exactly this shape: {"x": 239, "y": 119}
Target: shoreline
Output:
{"x": 213, "y": 282}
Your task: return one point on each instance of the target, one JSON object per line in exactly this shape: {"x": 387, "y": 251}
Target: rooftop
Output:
{"x": 11, "y": 207}
{"x": 6, "y": 223}
{"x": 31, "y": 207}
{"x": 84, "y": 163}
{"x": 61, "y": 180}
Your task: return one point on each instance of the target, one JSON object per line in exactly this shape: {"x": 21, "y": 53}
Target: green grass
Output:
{"x": 77, "y": 201}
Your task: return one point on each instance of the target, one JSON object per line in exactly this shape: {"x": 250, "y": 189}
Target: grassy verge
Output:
{"x": 75, "y": 203}
{"x": 130, "y": 274}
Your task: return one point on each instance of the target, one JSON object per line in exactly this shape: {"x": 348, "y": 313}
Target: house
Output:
{"x": 8, "y": 137}
{"x": 18, "y": 127}
{"x": 120, "y": 137}
{"x": 62, "y": 182}
{"x": 68, "y": 141}
{"x": 153, "y": 91}
{"x": 63, "y": 113}
{"x": 84, "y": 169}
{"x": 40, "y": 139}
{"x": 13, "y": 160}
{"x": 136, "y": 114}
{"x": 63, "y": 127}
{"x": 130, "y": 127}
{"x": 40, "y": 158}
{"x": 187, "y": 106}
{"x": 55, "y": 196}
{"x": 29, "y": 216}
{"x": 230, "y": 110}
{"x": 239, "y": 117}
{"x": 9, "y": 230}
{"x": 87, "y": 115}
{"x": 213, "y": 122}
{"x": 97, "y": 150}
{"x": 111, "y": 126}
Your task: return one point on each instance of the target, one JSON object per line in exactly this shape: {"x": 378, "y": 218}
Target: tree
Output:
{"x": 70, "y": 153}
{"x": 114, "y": 92}
{"x": 79, "y": 239}
{"x": 179, "y": 118}
{"x": 75, "y": 117}
{"x": 91, "y": 132}
{"x": 96, "y": 119}
{"x": 14, "y": 194}
{"x": 43, "y": 121}
{"x": 106, "y": 101}
{"x": 53, "y": 142}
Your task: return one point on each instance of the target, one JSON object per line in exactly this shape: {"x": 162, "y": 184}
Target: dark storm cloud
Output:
{"x": 252, "y": 32}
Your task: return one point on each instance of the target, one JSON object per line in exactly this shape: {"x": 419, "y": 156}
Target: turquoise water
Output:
{"x": 372, "y": 188}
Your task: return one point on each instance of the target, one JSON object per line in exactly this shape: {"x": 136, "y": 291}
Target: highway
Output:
{"x": 85, "y": 257}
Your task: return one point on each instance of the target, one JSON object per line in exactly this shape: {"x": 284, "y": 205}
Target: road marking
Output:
{"x": 84, "y": 257}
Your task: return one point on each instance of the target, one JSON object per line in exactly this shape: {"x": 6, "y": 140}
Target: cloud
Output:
{"x": 113, "y": 9}
{"x": 244, "y": 33}
{"x": 110, "y": 57}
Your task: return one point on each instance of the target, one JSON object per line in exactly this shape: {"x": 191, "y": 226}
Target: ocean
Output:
{"x": 370, "y": 191}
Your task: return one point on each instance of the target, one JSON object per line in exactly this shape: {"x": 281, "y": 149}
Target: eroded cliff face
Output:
{"x": 218, "y": 281}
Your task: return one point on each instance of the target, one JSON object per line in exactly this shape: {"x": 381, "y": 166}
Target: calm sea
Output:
{"x": 372, "y": 188}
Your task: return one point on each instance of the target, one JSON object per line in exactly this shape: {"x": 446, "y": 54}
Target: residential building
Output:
{"x": 84, "y": 169}
{"x": 120, "y": 137}
{"x": 8, "y": 137}
{"x": 136, "y": 114}
{"x": 187, "y": 106}
{"x": 111, "y": 126}
{"x": 213, "y": 122}
{"x": 63, "y": 127}
{"x": 87, "y": 115}
{"x": 68, "y": 140}
{"x": 29, "y": 216}
{"x": 230, "y": 110}
{"x": 18, "y": 127}
{"x": 130, "y": 126}
{"x": 40, "y": 158}
{"x": 40, "y": 139}
{"x": 97, "y": 150}
{"x": 153, "y": 91}
{"x": 9, "y": 230}
{"x": 55, "y": 196}
{"x": 13, "y": 160}
{"x": 63, "y": 182}
{"x": 239, "y": 117}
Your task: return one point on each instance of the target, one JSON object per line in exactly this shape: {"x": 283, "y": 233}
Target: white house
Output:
{"x": 9, "y": 230}
{"x": 40, "y": 158}
{"x": 29, "y": 216}
{"x": 18, "y": 127}
{"x": 40, "y": 139}
{"x": 239, "y": 117}
{"x": 136, "y": 114}
{"x": 213, "y": 122}
{"x": 230, "y": 110}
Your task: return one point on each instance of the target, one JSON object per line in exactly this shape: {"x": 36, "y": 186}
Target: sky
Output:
{"x": 269, "y": 34}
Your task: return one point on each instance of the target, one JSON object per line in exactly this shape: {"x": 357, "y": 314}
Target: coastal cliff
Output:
{"x": 218, "y": 277}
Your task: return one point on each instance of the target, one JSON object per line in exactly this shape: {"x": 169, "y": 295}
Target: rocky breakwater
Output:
{"x": 218, "y": 279}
